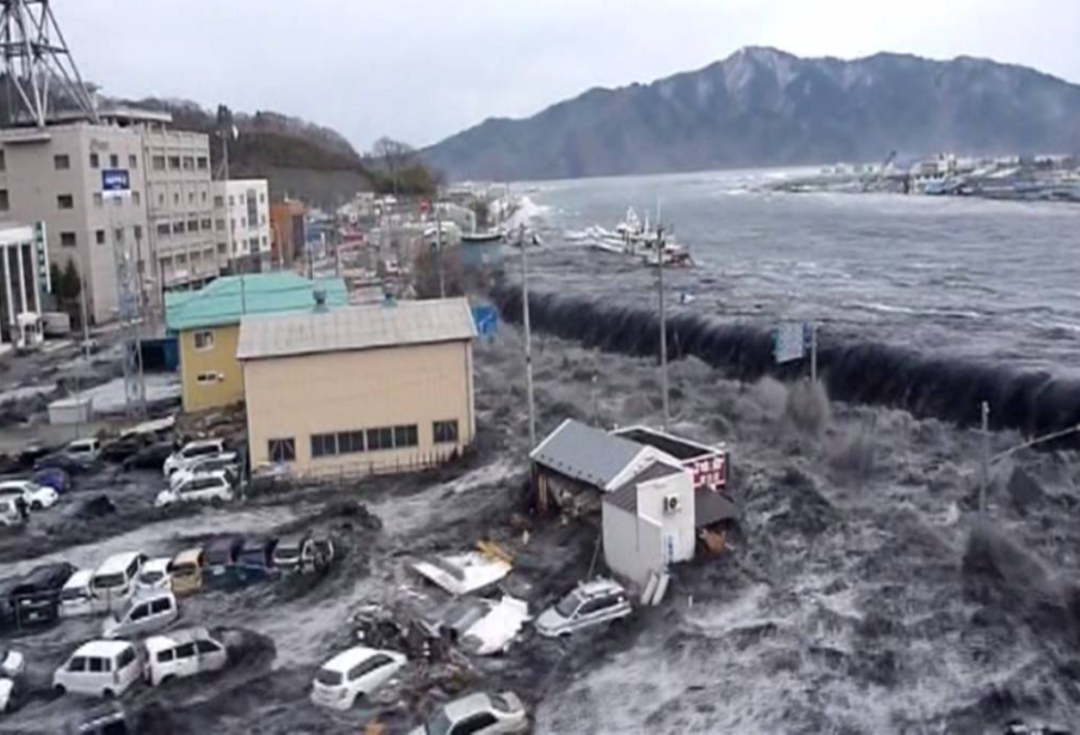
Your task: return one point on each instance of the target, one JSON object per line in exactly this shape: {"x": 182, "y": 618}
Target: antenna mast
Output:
{"x": 36, "y": 58}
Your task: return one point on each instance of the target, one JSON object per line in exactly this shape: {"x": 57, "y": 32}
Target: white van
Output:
{"x": 183, "y": 653}
{"x": 99, "y": 669}
{"x": 114, "y": 581}
{"x": 76, "y": 597}
{"x": 156, "y": 611}
{"x": 191, "y": 452}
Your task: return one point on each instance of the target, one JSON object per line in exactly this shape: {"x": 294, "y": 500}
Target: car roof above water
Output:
{"x": 459, "y": 709}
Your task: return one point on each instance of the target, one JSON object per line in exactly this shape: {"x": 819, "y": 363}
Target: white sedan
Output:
{"x": 37, "y": 497}
{"x": 480, "y": 713}
{"x": 354, "y": 673}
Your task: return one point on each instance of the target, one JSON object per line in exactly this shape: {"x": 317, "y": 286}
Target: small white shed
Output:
{"x": 649, "y": 522}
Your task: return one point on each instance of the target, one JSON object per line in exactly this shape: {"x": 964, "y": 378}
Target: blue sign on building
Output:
{"x": 115, "y": 181}
{"x": 486, "y": 318}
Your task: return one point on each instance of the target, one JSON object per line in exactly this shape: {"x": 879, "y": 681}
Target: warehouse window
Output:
{"x": 208, "y": 378}
{"x": 382, "y": 438}
{"x": 204, "y": 340}
{"x": 282, "y": 450}
{"x": 350, "y": 442}
{"x": 445, "y": 432}
{"x": 323, "y": 445}
{"x": 405, "y": 436}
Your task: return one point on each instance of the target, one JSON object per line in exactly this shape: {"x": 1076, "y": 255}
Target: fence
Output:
{"x": 345, "y": 476}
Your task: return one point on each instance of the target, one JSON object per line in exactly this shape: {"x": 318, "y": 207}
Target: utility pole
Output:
{"x": 438, "y": 250}
{"x": 663, "y": 321}
{"x": 528, "y": 335}
{"x": 225, "y": 135}
{"x": 813, "y": 353}
{"x": 985, "y": 480}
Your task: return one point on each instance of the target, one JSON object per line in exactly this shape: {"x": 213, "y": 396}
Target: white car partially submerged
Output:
{"x": 591, "y": 603}
{"x": 155, "y": 576}
{"x": 200, "y": 489}
{"x": 191, "y": 452}
{"x": 354, "y": 673}
{"x": 37, "y": 497}
{"x": 183, "y": 653}
{"x": 228, "y": 462}
{"x": 479, "y": 714}
{"x": 12, "y": 663}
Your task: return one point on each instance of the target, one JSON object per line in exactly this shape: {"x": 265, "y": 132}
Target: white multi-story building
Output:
{"x": 24, "y": 275}
{"x": 242, "y": 222}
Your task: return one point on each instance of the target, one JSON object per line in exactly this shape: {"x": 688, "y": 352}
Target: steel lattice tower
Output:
{"x": 37, "y": 65}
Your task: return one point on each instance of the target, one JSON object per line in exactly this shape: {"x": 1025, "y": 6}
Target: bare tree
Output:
{"x": 394, "y": 156}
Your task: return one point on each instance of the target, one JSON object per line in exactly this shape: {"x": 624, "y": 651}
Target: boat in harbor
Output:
{"x": 485, "y": 236}
{"x": 638, "y": 239}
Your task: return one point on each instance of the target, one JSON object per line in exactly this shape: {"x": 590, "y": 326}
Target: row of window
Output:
{"x": 179, "y": 259}
{"x": 62, "y": 161}
{"x": 338, "y": 443}
{"x": 180, "y": 163}
{"x": 179, "y": 227}
{"x": 70, "y": 239}
{"x": 177, "y": 198}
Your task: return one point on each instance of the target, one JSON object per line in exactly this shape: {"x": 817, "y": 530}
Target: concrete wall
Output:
{"x": 637, "y": 545}
{"x": 219, "y": 359}
{"x": 296, "y": 397}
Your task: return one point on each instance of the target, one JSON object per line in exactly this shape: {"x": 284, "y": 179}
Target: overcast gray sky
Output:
{"x": 420, "y": 70}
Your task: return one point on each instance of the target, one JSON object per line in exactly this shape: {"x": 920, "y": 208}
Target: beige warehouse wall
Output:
{"x": 300, "y": 396}
{"x": 220, "y": 359}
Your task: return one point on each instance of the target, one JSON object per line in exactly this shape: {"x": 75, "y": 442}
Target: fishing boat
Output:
{"x": 486, "y": 236}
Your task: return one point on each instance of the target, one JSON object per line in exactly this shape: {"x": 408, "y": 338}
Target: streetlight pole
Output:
{"x": 528, "y": 335}
{"x": 663, "y": 324}
{"x": 985, "y": 456}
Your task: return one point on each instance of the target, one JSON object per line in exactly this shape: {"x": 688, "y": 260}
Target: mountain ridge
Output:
{"x": 763, "y": 106}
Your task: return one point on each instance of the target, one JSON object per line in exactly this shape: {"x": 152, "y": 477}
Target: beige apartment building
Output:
{"x": 242, "y": 223}
{"x": 54, "y": 175}
{"x": 180, "y": 207}
{"x": 359, "y": 390}
{"x": 162, "y": 222}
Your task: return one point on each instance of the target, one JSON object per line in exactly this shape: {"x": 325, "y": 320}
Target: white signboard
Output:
{"x": 790, "y": 342}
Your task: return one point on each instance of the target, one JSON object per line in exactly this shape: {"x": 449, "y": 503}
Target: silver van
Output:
{"x": 149, "y": 614}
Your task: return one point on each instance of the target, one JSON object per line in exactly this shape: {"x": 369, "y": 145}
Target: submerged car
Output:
{"x": 154, "y": 576}
{"x": 354, "y": 673}
{"x": 192, "y": 452}
{"x": 304, "y": 554}
{"x": 183, "y": 653}
{"x": 148, "y": 614}
{"x": 38, "y": 593}
{"x": 36, "y": 497}
{"x": 198, "y": 488}
{"x": 227, "y": 462}
{"x": 591, "y": 603}
{"x": 479, "y": 713}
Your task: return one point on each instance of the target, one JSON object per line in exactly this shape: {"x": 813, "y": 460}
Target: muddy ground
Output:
{"x": 861, "y": 594}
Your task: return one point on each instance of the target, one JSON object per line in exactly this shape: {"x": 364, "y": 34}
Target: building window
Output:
{"x": 232, "y": 201}
{"x": 181, "y": 258}
{"x": 158, "y": 163}
{"x": 178, "y": 228}
{"x": 118, "y": 235}
{"x": 114, "y": 160}
{"x": 65, "y": 201}
{"x": 282, "y": 450}
{"x": 161, "y": 199}
{"x": 203, "y": 163}
{"x": 208, "y": 378}
{"x": 219, "y": 225}
{"x": 191, "y": 197}
{"x": 262, "y": 220}
{"x": 262, "y": 198}
{"x": 405, "y": 436}
{"x": 193, "y": 225}
{"x": 204, "y": 340}
{"x": 137, "y": 231}
{"x": 62, "y": 162}
{"x": 4, "y": 203}
{"x": 136, "y": 198}
{"x": 67, "y": 239}
{"x": 99, "y": 237}
{"x": 97, "y": 199}
{"x": 266, "y": 242}
{"x": 207, "y": 225}
{"x": 163, "y": 229}
{"x": 95, "y": 162}
{"x": 323, "y": 445}
{"x": 174, "y": 163}
{"x": 204, "y": 197}
{"x": 3, "y": 160}
{"x": 223, "y": 248}
{"x": 189, "y": 163}
{"x": 133, "y": 161}
{"x": 382, "y": 438}
{"x": 176, "y": 198}
{"x": 445, "y": 432}
{"x": 350, "y": 442}
{"x": 219, "y": 201}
